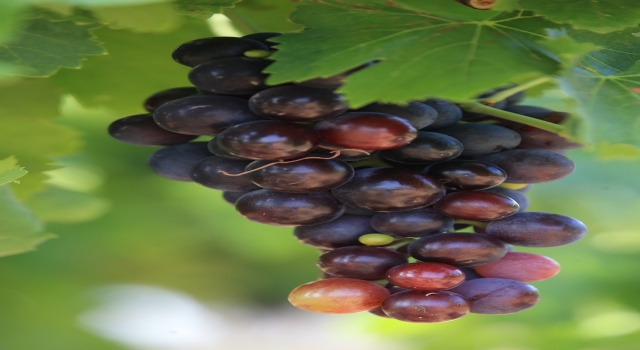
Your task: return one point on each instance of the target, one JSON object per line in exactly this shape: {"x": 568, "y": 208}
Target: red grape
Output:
{"x": 523, "y": 267}
{"x": 338, "y": 296}
{"x": 426, "y": 276}
{"x": 426, "y": 307}
{"x": 476, "y": 206}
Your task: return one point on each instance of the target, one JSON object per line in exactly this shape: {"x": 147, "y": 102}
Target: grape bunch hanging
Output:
{"x": 383, "y": 191}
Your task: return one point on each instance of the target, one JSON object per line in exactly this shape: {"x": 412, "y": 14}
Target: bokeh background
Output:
{"x": 142, "y": 262}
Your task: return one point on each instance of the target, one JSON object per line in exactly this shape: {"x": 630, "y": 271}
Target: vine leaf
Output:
{"x": 10, "y": 171}
{"x": 423, "y": 49}
{"x": 202, "y": 9}
{"x": 252, "y": 16}
{"x": 20, "y": 230}
{"x": 146, "y": 18}
{"x": 40, "y": 47}
{"x": 601, "y": 16}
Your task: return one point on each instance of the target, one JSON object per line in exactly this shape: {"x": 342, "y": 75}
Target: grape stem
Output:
{"x": 481, "y": 224}
{"x": 514, "y": 90}
{"x": 477, "y": 107}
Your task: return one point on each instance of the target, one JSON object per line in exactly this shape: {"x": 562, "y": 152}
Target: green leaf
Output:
{"x": 251, "y": 16}
{"x": 137, "y": 66}
{"x": 9, "y": 18}
{"x": 202, "y": 9}
{"x": 20, "y": 230}
{"x": 27, "y": 130}
{"x": 68, "y": 207}
{"x": 149, "y": 18}
{"x": 435, "y": 48}
{"x": 599, "y": 16}
{"x": 10, "y": 171}
{"x": 40, "y": 47}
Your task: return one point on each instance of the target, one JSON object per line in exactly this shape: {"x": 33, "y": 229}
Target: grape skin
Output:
{"x": 142, "y": 130}
{"x": 531, "y": 229}
{"x": 497, "y": 295}
{"x": 411, "y": 223}
{"x": 338, "y": 296}
{"x": 467, "y": 175}
{"x": 208, "y": 172}
{"x": 458, "y": 249}
{"x": 297, "y": 103}
{"x": 195, "y": 52}
{"x": 522, "y": 199}
{"x": 230, "y": 76}
{"x": 533, "y": 137}
{"x": 520, "y": 266}
{"x": 341, "y": 232}
{"x": 530, "y": 166}
{"x": 425, "y": 276}
{"x": 427, "y": 147}
{"x": 161, "y": 97}
{"x": 365, "y": 263}
{"x": 425, "y": 307}
{"x": 480, "y": 139}
{"x": 417, "y": 114}
{"x": 289, "y": 209}
{"x": 448, "y": 114}
{"x": 174, "y": 162}
{"x": 476, "y": 206}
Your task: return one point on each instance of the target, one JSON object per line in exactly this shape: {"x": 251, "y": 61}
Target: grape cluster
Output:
{"x": 388, "y": 193}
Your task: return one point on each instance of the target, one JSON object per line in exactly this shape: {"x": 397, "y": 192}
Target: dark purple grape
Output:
{"x": 358, "y": 211}
{"x": 448, "y": 113}
{"x": 529, "y": 166}
{"x": 470, "y": 274}
{"x": 537, "y": 229}
{"x": 289, "y": 209}
{"x": 338, "y": 296}
{"x": 307, "y": 175}
{"x": 209, "y": 173}
{"x": 458, "y": 249}
{"x": 263, "y": 37}
{"x": 297, "y": 103}
{"x": 533, "y": 137}
{"x": 467, "y": 174}
{"x": 232, "y": 197}
{"x": 476, "y": 205}
{"x": 364, "y": 263}
{"x": 425, "y": 307}
{"x": 411, "y": 223}
{"x": 497, "y": 296}
{"x": 141, "y": 130}
{"x": 174, "y": 162}
{"x": 428, "y": 147}
{"x": 479, "y": 139}
{"x": 161, "y": 97}
{"x": 341, "y": 232}
{"x": 230, "y": 76}
{"x": 387, "y": 189}
{"x": 195, "y": 52}
{"x": 427, "y": 276}
{"x": 204, "y": 114}
{"x": 515, "y": 98}
{"x": 216, "y": 150}
{"x": 332, "y": 82}
{"x": 417, "y": 114}
{"x": 268, "y": 140}
{"x": 519, "y": 197}
{"x": 392, "y": 290}
{"x": 367, "y": 130}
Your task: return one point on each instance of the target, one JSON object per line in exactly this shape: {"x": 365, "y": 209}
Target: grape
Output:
{"x": 141, "y": 130}
{"x": 479, "y": 139}
{"x": 263, "y": 37}
{"x": 230, "y": 76}
{"x": 523, "y": 267}
{"x": 208, "y": 173}
{"x": 332, "y": 82}
{"x": 448, "y": 113}
{"x": 338, "y": 296}
{"x": 159, "y": 98}
{"x": 341, "y": 232}
{"x": 425, "y": 307}
{"x": 476, "y": 206}
{"x": 367, "y": 130}
{"x": 411, "y": 223}
{"x": 195, "y": 52}
{"x": 307, "y": 175}
{"x": 268, "y": 139}
{"x": 358, "y": 211}
{"x": 174, "y": 162}
{"x": 467, "y": 175}
{"x": 216, "y": 150}
{"x": 297, "y": 103}
{"x": 471, "y": 116}
{"x": 537, "y": 229}
{"x": 426, "y": 276}
{"x": 533, "y": 137}
{"x": 365, "y": 263}
{"x": 392, "y": 290}
{"x": 458, "y": 249}
{"x": 515, "y": 98}
{"x": 232, "y": 197}
{"x": 498, "y": 295}
{"x": 385, "y": 189}
{"x": 289, "y": 209}
{"x": 529, "y": 166}
{"x": 417, "y": 114}
{"x": 470, "y": 274}
{"x": 376, "y": 239}
{"x": 203, "y": 115}
{"x": 427, "y": 147}
{"x": 519, "y": 197}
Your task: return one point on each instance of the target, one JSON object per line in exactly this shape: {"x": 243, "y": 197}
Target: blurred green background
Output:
{"x": 142, "y": 262}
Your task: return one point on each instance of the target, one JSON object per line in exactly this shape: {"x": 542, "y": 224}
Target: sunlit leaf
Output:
{"x": 10, "y": 171}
